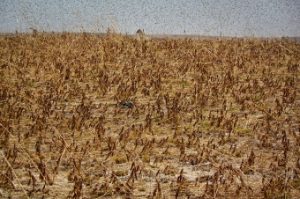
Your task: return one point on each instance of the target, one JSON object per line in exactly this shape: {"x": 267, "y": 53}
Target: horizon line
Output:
{"x": 164, "y": 35}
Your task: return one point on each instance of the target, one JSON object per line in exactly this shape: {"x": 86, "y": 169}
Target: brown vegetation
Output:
{"x": 206, "y": 118}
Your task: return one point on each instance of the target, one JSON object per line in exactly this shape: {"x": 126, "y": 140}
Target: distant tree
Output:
{"x": 140, "y": 32}
{"x": 34, "y": 31}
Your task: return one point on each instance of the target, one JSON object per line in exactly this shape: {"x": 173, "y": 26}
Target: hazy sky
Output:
{"x": 203, "y": 17}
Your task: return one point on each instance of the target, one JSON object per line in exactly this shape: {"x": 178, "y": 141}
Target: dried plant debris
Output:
{"x": 112, "y": 116}
{"x": 126, "y": 104}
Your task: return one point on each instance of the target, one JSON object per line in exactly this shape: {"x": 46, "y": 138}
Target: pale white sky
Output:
{"x": 202, "y": 17}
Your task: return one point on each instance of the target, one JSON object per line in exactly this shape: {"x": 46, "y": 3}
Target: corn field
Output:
{"x": 114, "y": 116}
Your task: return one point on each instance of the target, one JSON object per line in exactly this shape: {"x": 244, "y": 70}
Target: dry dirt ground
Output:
{"x": 212, "y": 118}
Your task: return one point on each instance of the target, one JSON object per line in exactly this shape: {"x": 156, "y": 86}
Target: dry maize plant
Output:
{"x": 114, "y": 116}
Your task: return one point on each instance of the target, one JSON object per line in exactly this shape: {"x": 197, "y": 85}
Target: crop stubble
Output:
{"x": 212, "y": 118}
